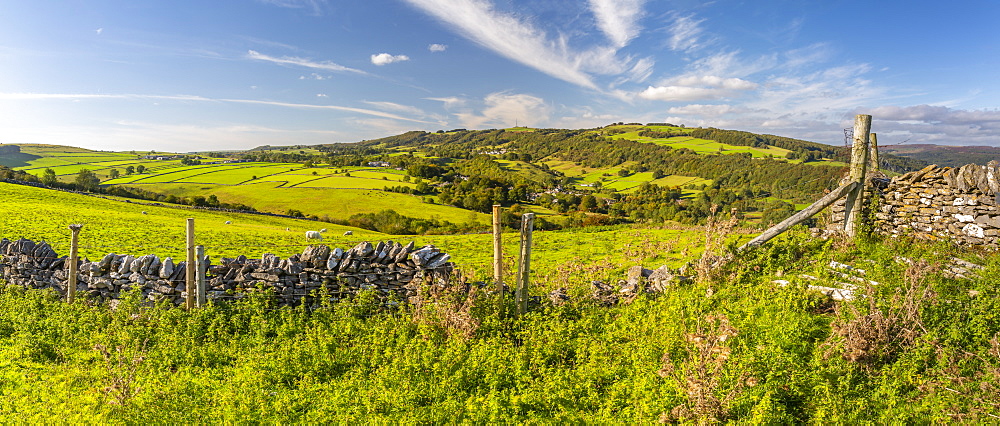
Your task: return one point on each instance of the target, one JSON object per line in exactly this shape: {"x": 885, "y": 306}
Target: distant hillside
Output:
{"x": 944, "y": 155}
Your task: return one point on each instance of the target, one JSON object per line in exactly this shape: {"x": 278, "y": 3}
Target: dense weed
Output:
{"x": 918, "y": 347}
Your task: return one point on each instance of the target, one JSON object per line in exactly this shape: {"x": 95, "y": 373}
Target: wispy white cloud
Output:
{"x": 449, "y": 102}
{"x": 99, "y": 31}
{"x": 385, "y": 59}
{"x": 76, "y": 96}
{"x": 935, "y": 124}
{"x": 618, "y": 19}
{"x": 302, "y": 62}
{"x": 392, "y": 106}
{"x": 503, "y": 109}
{"x": 509, "y": 36}
{"x": 731, "y": 83}
{"x": 437, "y": 47}
{"x": 707, "y": 110}
{"x": 685, "y": 34}
{"x": 314, "y": 6}
{"x": 682, "y": 93}
{"x": 321, "y": 95}
{"x": 695, "y": 87}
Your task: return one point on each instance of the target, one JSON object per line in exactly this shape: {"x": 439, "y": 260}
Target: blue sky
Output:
{"x": 232, "y": 74}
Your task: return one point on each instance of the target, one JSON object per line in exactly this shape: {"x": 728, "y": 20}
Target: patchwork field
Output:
{"x": 337, "y": 203}
{"x": 42, "y": 214}
{"x": 609, "y": 177}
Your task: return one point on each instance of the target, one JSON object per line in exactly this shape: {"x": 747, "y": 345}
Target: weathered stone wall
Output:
{"x": 958, "y": 204}
{"x": 387, "y": 267}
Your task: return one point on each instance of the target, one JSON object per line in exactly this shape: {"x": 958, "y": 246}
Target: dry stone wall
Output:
{"x": 958, "y": 204}
{"x": 390, "y": 268}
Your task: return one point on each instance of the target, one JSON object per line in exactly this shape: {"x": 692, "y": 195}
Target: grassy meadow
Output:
{"x": 336, "y": 192}
{"x": 42, "y": 214}
{"x": 734, "y": 346}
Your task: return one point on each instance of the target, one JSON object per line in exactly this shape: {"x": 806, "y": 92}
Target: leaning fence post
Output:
{"x": 189, "y": 283}
{"x": 498, "y": 258}
{"x": 202, "y": 265}
{"x": 524, "y": 262}
{"x": 859, "y": 161}
{"x": 873, "y": 164}
{"x": 74, "y": 260}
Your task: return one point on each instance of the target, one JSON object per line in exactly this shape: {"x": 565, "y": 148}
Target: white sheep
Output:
{"x": 144, "y": 213}
{"x": 322, "y": 230}
{"x": 314, "y": 235}
{"x": 229, "y": 222}
{"x": 348, "y": 233}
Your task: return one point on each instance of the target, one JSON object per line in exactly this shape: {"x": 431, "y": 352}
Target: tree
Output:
{"x": 49, "y": 177}
{"x": 588, "y": 203}
{"x": 113, "y": 174}
{"x": 140, "y": 168}
{"x": 86, "y": 180}
{"x": 129, "y": 170}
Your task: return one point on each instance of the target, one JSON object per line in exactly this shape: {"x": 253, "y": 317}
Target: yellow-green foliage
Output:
{"x": 335, "y": 203}
{"x": 736, "y": 347}
{"x": 120, "y": 227}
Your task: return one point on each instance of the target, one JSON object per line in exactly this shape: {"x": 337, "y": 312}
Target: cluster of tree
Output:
{"x": 391, "y": 222}
{"x": 656, "y": 134}
{"x": 741, "y": 138}
{"x": 804, "y": 155}
{"x": 191, "y": 160}
{"x": 569, "y": 202}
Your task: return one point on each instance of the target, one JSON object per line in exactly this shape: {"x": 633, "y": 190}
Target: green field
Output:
{"x": 746, "y": 342}
{"x": 43, "y": 214}
{"x": 116, "y": 226}
{"x": 336, "y": 203}
{"x": 609, "y": 177}
{"x": 66, "y": 160}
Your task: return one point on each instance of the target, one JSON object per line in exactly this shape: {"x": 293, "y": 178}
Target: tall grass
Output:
{"x": 750, "y": 351}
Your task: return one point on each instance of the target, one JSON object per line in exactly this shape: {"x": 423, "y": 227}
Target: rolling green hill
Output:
{"x": 571, "y": 177}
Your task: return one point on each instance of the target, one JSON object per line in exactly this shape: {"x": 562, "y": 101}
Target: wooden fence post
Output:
{"x": 801, "y": 216}
{"x": 201, "y": 262}
{"x": 873, "y": 163}
{"x": 190, "y": 279}
{"x": 524, "y": 262}
{"x": 498, "y": 257}
{"x": 859, "y": 162}
{"x": 74, "y": 260}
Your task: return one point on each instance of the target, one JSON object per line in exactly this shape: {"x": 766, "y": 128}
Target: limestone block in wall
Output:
{"x": 964, "y": 217}
{"x": 973, "y": 230}
{"x": 167, "y": 268}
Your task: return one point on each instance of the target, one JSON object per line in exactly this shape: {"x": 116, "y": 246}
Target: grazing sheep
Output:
{"x": 288, "y": 230}
{"x": 229, "y": 222}
{"x": 314, "y": 235}
{"x": 322, "y": 230}
{"x": 348, "y": 233}
{"x": 144, "y": 213}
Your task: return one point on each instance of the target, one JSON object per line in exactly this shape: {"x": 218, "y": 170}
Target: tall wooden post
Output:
{"x": 498, "y": 257}
{"x": 859, "y": 162}
{"x": 189, "y": 283}
{"x": 201, "y": 262}
{"x": 873, "y": 163}
{"x": 74, "y": 260}
{"x": 524, "y": 262}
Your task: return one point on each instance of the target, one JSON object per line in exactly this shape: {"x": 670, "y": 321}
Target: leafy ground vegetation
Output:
{"x": 732, "y": 346}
